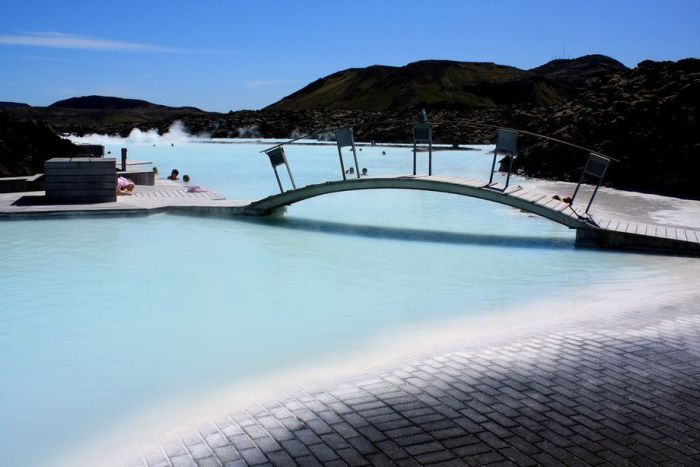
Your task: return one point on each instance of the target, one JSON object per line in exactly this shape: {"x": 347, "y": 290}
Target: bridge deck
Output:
{"x": 168, "y": 196}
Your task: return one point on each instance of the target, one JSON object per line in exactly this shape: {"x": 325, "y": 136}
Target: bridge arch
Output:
{"x": 517, "y": 197}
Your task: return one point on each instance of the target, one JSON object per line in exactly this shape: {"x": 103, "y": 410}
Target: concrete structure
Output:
{"x": 13, "y": 184}
{"x": 80, "y": 180}
{"x": 139, "y": 177}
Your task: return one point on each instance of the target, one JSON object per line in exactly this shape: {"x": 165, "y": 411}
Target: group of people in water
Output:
{"x": 351, "y": 171}
{"x": 126, "y": 186}
{"x": 174, "y": 175}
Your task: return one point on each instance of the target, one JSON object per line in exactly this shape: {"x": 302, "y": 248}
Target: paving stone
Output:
{"x": 335, "y": 441}
{"x": 253, "y": 456}
{"x": 280, "y": 458}
{"x": 379, "y": 459}
{"x": 392, "y": 450}
{"x": 352, "y": 456}
{"x": 323, "y": 452}
{"x": 363, "y": 445}
{"x": 345, "y": 430}
{"x": 307, "y": 436}
{"x": 183, "y": 460}
{"x": 267, "y": 444}
{"x": 199, "y": 451}
{"x": 242, "y": 442}
{"x": 369, "y": 432}
{"x": 472, "y": 450}
{"x": 295, "y": 448}
{"x": 430, "y": 446}
{"x": 307, "y": 461}
{"x": 226, "y": 454}
{"x": 435, "y": 457}
{"x": 210, "y": 461}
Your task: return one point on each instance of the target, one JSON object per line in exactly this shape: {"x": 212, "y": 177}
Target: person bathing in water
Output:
{"x": 174, "y": 175}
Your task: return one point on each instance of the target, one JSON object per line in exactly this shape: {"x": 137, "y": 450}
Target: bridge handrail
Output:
{"x": 560, "y": 141}
{"x": 313, "y": 133}
{"x": 467, "y": 122}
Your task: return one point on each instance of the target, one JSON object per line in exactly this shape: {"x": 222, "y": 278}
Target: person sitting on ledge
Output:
{"x": 174, "y": 175}
{"x": 124, "y": 186}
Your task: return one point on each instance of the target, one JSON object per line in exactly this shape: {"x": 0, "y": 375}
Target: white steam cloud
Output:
{"x": 177, "y": 133}
{"x": 250, "y": 131}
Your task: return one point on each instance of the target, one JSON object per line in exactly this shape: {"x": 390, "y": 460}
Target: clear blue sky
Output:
{"x": 230, "y": 55}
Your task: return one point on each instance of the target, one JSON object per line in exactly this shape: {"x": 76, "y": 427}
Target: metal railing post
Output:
{"x": 277, "y": 176}
{"x": 414, "y": 157}
{"x": 354, "y": 155}
{"x": 343, "y": 138}
{"x": 493, "y": 166}
{"x": 423, "y": 133}
{"x": 342, "y": 166}
{"x": 430, "y": 157}
{"x": 506, "y": 142}
{"x": 596, "y": 166}
{"x": 277, "y": 157}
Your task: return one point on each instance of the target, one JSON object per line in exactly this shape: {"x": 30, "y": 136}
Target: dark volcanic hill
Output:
{"x": 648, "y": 117}
{"x": 104, "y": 114}
{"x": 440, "y": 84}
{"x": 8, "y": 105}
{"x": 109, "y": 103}
{"x": 100, "y": 102}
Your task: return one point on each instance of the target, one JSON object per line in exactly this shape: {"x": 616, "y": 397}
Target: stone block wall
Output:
{"x": 80, "y": 180}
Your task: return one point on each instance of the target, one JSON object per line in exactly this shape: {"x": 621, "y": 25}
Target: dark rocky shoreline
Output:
{"x": 646, "y": 117}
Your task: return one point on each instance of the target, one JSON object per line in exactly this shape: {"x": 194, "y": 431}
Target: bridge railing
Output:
{"x": 506, "y": 145}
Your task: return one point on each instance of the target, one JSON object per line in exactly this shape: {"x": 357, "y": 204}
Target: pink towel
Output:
{"x": 196, "y": 189}
{"x": 124, "y": 183}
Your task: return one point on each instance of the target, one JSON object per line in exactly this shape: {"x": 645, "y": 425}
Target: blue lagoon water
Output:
{"x": 101, "y": 319}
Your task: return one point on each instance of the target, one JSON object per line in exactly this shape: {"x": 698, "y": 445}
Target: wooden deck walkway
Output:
{"x": 167, "y": 196}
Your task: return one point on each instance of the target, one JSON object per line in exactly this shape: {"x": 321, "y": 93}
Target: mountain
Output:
{"x": 646, "y": 117}
{"x": 444, "y": 84}
{"x": 7, "y": 105}
{"x": 578, "y": 70}
{"x": 109, "y": 103}
{"x": 105, "y": 114}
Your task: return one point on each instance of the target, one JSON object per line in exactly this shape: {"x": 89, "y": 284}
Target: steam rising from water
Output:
{"x": 250, "y": 131}
{"x": 177, "y": 133}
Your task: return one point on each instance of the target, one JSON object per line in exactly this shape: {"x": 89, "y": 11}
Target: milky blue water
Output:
{"x": 103, "y": 318}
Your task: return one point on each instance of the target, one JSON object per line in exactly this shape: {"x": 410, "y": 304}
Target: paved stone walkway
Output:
{"x": 598, "y": 397}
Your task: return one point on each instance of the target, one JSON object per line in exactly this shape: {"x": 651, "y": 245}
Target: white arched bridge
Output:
{"x": 515, "y": 196}
{"x": 590, "y": 230}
